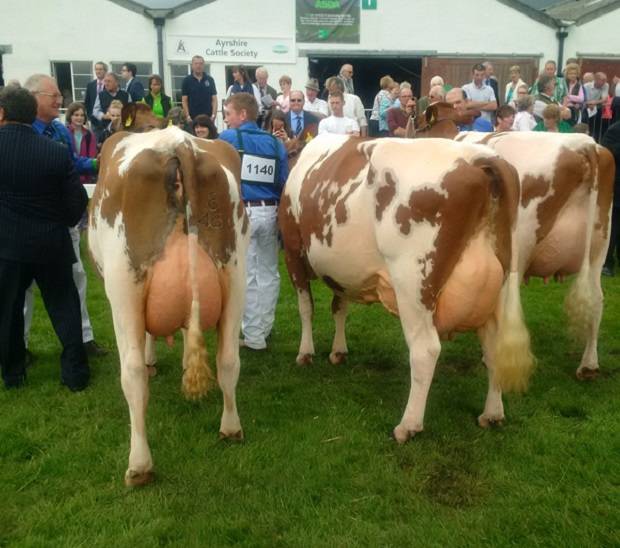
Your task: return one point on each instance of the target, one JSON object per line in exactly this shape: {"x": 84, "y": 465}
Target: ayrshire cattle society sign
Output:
{"x": 232, "y": 49}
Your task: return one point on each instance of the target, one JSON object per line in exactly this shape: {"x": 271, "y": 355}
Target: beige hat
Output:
{"x": 313, "y": 83}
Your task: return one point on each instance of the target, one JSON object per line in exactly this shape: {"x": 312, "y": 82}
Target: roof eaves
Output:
{"x": 189, "y": 6}
{"x": 595, "y": 14}
{"x": 131, "y": 6}
{"x": 532, "y": 13}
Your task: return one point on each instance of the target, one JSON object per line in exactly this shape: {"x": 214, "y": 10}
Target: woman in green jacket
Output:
{"x": 159, "y": 102}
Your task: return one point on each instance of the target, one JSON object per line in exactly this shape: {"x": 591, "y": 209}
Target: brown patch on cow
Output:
{"x": 386, "y": 192}
{"x": 461, "y": 216}
{"x": 572, "y": 170}
{"x": 149, "y": 207}
{"x": 214, "y": 211}
{"x": 294, "y": 254}
{"x": 606, "y": 175}
{"x": 533, "y": 187}
{"x": 423, "y": 205}
{"x": 504, "y": 186}
{"x": 333, "y": 284}
{"x": 324, "y": 188}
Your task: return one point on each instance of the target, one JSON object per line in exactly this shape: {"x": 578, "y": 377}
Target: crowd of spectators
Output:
{"x": 257, "y": 116}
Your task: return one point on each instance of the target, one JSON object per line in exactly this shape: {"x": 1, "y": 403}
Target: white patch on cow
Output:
{"x": 163, "y": 141}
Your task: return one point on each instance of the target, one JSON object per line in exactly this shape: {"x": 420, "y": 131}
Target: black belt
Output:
{"x": 258, "y": 203}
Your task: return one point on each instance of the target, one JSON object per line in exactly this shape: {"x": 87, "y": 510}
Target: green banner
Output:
{"x": 334, "y": 21}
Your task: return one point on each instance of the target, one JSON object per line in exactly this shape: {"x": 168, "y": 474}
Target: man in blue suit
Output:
{"x": 303, "y": 124}
{"x": 134, "y": 87}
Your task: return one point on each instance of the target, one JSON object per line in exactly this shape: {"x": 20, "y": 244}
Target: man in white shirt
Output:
{"x": 353, "y": 107}
{"x": 338, "y": 123}
{"x": 481, "y": 97}
{"x": 313, "y": 104}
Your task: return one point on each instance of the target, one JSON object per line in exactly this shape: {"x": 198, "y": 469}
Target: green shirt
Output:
{"x": 158, "y": 109}
{"x": 563, "y": 127}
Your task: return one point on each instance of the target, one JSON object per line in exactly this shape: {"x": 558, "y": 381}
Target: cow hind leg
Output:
{"x": 227, "y": 359}
{"x": 593, "y": 297}
{"x": 424, "y": 347}
{"x": 339, "y": 351}
{"x": 306, "y": 311}
{"x": 493, "y": 413}
{"x": 130, "y": 337}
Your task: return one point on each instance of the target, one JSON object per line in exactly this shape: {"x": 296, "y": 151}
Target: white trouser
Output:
{"x": 79, "y": 278}
{"x": 263, "y": 276}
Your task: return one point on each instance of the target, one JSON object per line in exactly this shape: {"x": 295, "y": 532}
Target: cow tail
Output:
{"x": 514, "y": 361}
{"x": 197, "y": 376}
{"x": 583, "y": 301}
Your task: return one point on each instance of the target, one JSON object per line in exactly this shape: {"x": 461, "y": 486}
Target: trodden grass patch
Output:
{"x": 318, "y": 467}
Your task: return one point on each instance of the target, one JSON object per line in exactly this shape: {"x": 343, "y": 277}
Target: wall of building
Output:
{"x": 599, "y": 36}
{"x": 91, "y": 30}
{"x": 70, "y": 30}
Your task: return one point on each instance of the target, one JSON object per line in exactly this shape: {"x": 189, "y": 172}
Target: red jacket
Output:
{"x": 88, "y": 147}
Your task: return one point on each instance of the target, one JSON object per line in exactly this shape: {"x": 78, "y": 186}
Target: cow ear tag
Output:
{"x": 128, "y": 121}
{"x": 169, "y": 123}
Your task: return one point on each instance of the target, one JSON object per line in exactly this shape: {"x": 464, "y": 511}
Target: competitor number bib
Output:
{"x": 258, "y": 169}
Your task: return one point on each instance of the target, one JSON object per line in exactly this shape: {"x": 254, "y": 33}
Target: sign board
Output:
{"x": 232, "y": 50}
{"x": 332, "y": 21}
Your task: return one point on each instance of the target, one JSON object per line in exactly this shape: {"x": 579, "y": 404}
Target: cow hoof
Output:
{"x": 134, "y": 478}
{"x": 587, "y": 374}
{"x": 304, "y": 359}
{"x": 152, "y": 370}
{"x": 337, "y": 358}
{"x": 489, "y": 422}
{"x": 403, "y": 435}
{"x": 234, "y": 436}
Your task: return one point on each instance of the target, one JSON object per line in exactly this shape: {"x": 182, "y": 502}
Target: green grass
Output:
{"x": 318, "y": 467}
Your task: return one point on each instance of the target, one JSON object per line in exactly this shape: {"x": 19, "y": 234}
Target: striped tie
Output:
{"x": 298, "y": 127}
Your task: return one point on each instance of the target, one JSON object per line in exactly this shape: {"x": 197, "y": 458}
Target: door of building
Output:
{"x": 457, "y": 71}
{"x": 367, "y": 71}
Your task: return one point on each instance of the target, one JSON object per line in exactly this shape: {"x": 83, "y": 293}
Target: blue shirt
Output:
{"x": 199, "y": 94}
{"x": 480, "y": 124}
{"x": 83, "y": 164}
{"x": 264, "y": 144}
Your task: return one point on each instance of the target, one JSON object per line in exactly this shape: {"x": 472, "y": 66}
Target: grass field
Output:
{"x": 318, "y": 467}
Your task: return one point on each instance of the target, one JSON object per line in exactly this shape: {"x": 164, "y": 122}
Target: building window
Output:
{"x": 178, "y": 71}
{"x": 144, "y": 70}
{"x": 72, "y": 78}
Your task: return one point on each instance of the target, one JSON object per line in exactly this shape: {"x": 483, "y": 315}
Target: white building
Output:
{"x": 408, "y": 39}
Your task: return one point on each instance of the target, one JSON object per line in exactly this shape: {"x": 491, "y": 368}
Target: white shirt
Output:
{"x": 483, "y": 93}
{"x": 340, "y": 126}
{"x": 353, "y": 108}
{"x": 319, "y": 106}
{"x": 524, "y": 121}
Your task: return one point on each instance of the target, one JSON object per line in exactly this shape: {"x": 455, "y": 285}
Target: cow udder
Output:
{"x": 470, "y": 295}
{"x": 169, "y": 293}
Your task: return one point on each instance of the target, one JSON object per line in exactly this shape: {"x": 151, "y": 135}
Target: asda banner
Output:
{"x": 333, "y": 21}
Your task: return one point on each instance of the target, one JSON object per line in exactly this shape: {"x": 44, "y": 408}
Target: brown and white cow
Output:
{"x": 564, "y": 219}
{"x": 168, "y": 233}
{"x": 426, "y": 227}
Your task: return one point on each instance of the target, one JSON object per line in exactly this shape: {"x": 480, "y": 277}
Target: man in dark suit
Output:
{"x": 490, "y": 79}
{"x": 133, "y": 87}
{"x": 303, "y": 124}
{"x": 611, "y": 140}
{"x": 40, "y": 197}
{"x": 93, "y": 89}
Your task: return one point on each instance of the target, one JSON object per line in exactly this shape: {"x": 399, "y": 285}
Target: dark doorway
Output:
{"x": 1, "y": 72}
{"x": 367, "y": 71}
{"x": 251, "y": 73}
{"x": 61, "y": 70}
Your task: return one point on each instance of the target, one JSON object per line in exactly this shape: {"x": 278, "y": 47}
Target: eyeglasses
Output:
{"x": 296, "y": 100}
{"x": 54, "y": 95}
